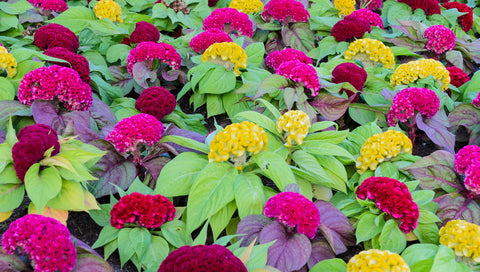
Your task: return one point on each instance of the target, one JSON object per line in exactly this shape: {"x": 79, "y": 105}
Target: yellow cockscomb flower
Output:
{"x": 345, "y": 7}
{"x": 235, "y": 140}
{"x": 411, "y": 71}
{"x": 296, "y": 123}
{"x": 108, "y": 9}
{"x": 7, "y": 62}
{"x": 228, "y": 54}
{"x": 463, "y": 237}
{"x": 377, "y": 260}
{"x": 371, "y": 52}
{"x": 380, "y": 147}
{"x": 247, "y": 6}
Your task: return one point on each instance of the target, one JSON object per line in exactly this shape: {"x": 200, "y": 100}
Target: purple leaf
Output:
{"x": 11, "y": 262}
{"x": 3, "y": 136}
{"x": 14, "y": 108}
{"x": 85, "y": 134}
{"x": 89, "y": 263}
{"x": 414, "y": 46}
{"x": 331, "y": 107}
{"x": 46, "y": 112}
{"x": 389, "y": 95}
{"x": 436, "y": 130}
{"x": 122, "y": 80}
{"x": 155, "y": 165}
{"x": 251, "y": 226}
{"x": 174, "y": 130}
{"x": 172, "y": 75}
{"x": 142, "y": 74}
{"x": 321, "y": 250}
{"x": 292, "y": 187}
{"x": 82, "y": 248}
{"x": 468, "y": 116}
{"x": 413, "y": 29}
{"x": 454, "y": 206}
{"x": 102, "y": 114}
{"x": 30, "y": 16}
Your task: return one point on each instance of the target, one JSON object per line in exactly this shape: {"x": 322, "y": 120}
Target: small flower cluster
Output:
{"x": 371, "y": 52}
{"x": 373, "y": 4}
{"x": 53, "y": 5}
{"x": 108, "y": 9}
{"x": 440, "y": 39}
{"x": 377, "y": 260}
{"x": 428, "y": 6}
{"x": 351, "y": 73}
{"x": 466, "y": 20}
{"x": 247, "y": 6}
{"x": 392, "y": 197}
{"x": 140, "y": 128}
{"x": 234, "y": 140}
{"x": 467, "y": 162}
{"x": 349, "y": 28}
{"x": 294, "y": 210}
{"x": 463, "y": 237}
{"x": 302, "y": 73}
{"x": 276, "y": 58}
{"x": 296, "y": 124}
{"x": 457, "y": 76}
{"x": 149, "y": 211}
{"x": 472, "y": 178}
{"x": 78, "y": 62}
{"x": 411, "y": 71}
{"x": 45, "y": 240}
{"x": 202, "y": 41}
{"x": 344, "y": 7}
{"x": 228, "y": 54}
{"x": 144, "y": 32}
{"x": 156, "y": 101}
{"x": 381, "y": 147}
{"x": 228, "y": 20}
{"x": 409, "y": 100}
{"x": 55, "y": 35}
{"x": 285, "y": 11}
{"x": 152, "y": 50}
{"x": 202, "y": 258}
{"x": 373, "y": 18}
{"x": 7, "y": 62}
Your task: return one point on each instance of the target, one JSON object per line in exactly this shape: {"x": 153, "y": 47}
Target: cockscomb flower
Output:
{"x": 476, "y": 101}
{"x": 371, "y": 52}
{"x": 344, "y": 7}
{"x": 377, "y": 260}
{"x": 8, "y": 63}
{"x": 285, "y": 11}
{"x": 149, "y": 51}
{"x": 466, "y": 20}
{"x": 428, "y": 6}
{"x": 440, "y": 39}
{"x": 349, "y": 28}
{"x": 457, "y": 76}
{"x": 78, "y": 62}
{"x": 302, "y": 73}
{"x": 156, "y": 101}
{"x": 411, "y": 71}
{"x": 463, "y": 237}
{"x": 409, "y": 100}
{"x": 373, "y": 18}
{"x": 296, "y": 124}
{"x": 44, "y": 240}
{"x": 108, "y": 9}
{"x": 227, "y": 54}
{"x": 465, "y": 157}
{"x": 247, "y": 6}
{"x": 55, "y": 35}
{"x": 381, "y": 147}
{"x": 140, "y": 128}
{"x": 202, "y": 41}
{"x": 472, "y": 178}
{"x": 372, "y": 4}
{"x": 202, "y": 258}
{"x": 294, "y": 210}
{"x": 229, "y": 20}
{"x": 235, "y": 140}
{"x": 53, "y": 5}
{"x": 351, "y": 73}
{"x": 144, "y": 32}
{"x": 276, "y": 58}
{"x": 392, "y": 197}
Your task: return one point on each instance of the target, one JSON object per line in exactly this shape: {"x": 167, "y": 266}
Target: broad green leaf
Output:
{"x": 75, "y": 18}
{"x": 366, "y": 227}
{"x": 107, "y": 234}
{"x": 326, "y": 149}
{"x": 259, "y": 119}
{"x": 220, "y": 220}
{"x": 330, "y": 265}
{"x": 41, "y": 186}
{"x": 444, "y": 260}
{"x": 249, "y": 194}
{"x": 140, "y": 239}
{"x": 118, "y": 52}
{"x": 157, "y": 251}
{"x": 335, "y": 170}
{"x": 255, "y": 53}
{"x": 275, "y": 168}
{"x": 125, "y": 249}
{"x": 8, "y": 91}
{"x": 8, "y": 175}
{"x": 11, "y": 196}
{"x": 7, "y": 21}
{"x": 70, "y": 197}
{"x": 175, "y": 233}
{"x": 321, "y": 126}
{"x": 217, "y": 81}
{"x": 427, "y": 233}
{"x": 186, "y": 142}
{"x": 392, "y": 238}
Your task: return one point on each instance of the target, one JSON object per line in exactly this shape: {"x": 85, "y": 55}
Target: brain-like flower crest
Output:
{"x": 428, "y": 6}
{"x": 476, "y": 101}
{"x": 296, "y": 124}
{"x": 229, "y": 20}
{"x": 149, "y": 51}
{"x": 467, "y": 162}
{"x": 53, "y": 5}
{"x": 276, "y": 58}
{"x": 144, "y": 32}
{"x": 78, "y": 62}
{"x": 457, "y": 76}
{"x": 202, "y": 41}
{"x": 156, "y": 101}
{"x": 371, "y": 52}
{"x": 409, "y": 100}
{"x": 55, "y": 35}
{"x": 108, "y": 9}
{"x": 373, "y": 18}
{"x": 351, "y": 73}
{"x": 247, "y": 6}
{"x": 345, "y": 7}
{"x": 301, "y": 73}
{"x": 463, "y": 237}
{"x": 285, "y": 11}
{"x": 411, "y": 71}
{"x": 377, "y": 260}
{"x": 7, "y": 62}
{"x": 440, "y": 39}
{"x": 349, "y": 28}
{"x": 228, "y": 54}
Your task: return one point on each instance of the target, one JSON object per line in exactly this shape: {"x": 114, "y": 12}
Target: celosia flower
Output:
{"x": 140, "y": 128}
{"x": 276, "y": 58}
{"x": 235, "y": 140}
{"x": 372, "y": 4}
{"x": 53, "y": 5}
{"x": 440, "y": 39}
{"x": 472, "y": 178}
{"x": 463, "y": 237}
{"x": 411, "y": 71}
{"x": 8, "y": 63}
{"x": 202, "y": 41}
{"x": 202, "y": 258}
{"x": 296, "y": 124}
{"x": 156, "y": 101}
{"x": 108, "y": 9}
{"x": 371, "y": 52}
{"x": 377, "y": 260}
{"x": 144, "y": 32}
{"x": 344, "y": 7}
{"x": 44, "y": 240}
{"x": 228, "y": 20}
{"x": 247, "y": 6}
{"x": 373, "y": 18}
{"x": 301, "y": 73}
{"x": 466, "y": 20}
{"x": 55, "y": 35}
{"x": 476, "y": 101}
{"x": 381, "y": 147}
{"x": 212, "y": 3}
{"x": 428, "y": 6}
{"x": 351, "y": 73}
{"x": 409, "y": 100}
{"x": 392, "y": 197}
{"x": 465, "y": 157}
{"x": 285, "y": 11}
{"x": 148, "y": 51}
{"x": 227, "y": 54}
{"x": 349, "y": 28}
{"x": 457, "y": 76}
{"x": 78, "y": 62}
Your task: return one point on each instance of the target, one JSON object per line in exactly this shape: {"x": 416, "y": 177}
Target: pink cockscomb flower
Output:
{"x": 440, "y": 39}
{"x": 44, "y": 240}
{"x": 409, "y": 100}
{"x": 465, "y": 157}
{"x": 55, "y": 35}
{"x": 373, "y": 18}
{"x": 276, "y": 58}
{"x": 392, "y": 197}
{"x": 457, "y": 76}
{"x": 476, "y": 101}
{"x": 144, "y": 32}
{"x": 149, "y": 211}
{"x": 140, "y": 128}
{"x": 156, "y": 101}
{"x": 301, "y": 73}
{"x": 428, "y": 6}
{"x": 294, "y": 210}
{"x": 202, "y": 41}
{"x": 351, "y": 73}
{"x": 229, "y": 20}
{"x": 149, "y": 51}
{"x": 285, "y": 11}
{"x": 349, "y": 28}
{"x": 53, "y": 5}
{"x": 373, "y": 4}
{"x": 466, "y": 20}
{"x": 78, "y": 62}
{"x": 472, "y": 177}
{"x": 202, "y": 258}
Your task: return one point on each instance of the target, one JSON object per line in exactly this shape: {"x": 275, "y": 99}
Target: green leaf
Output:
{"x": 220, "y": 220}
{"x": 217, "y": 81}
{"x": 214, "y": 105}
{"x": 335, "y": 170}
{"x": 423, "y": 196}
{"x": 398, "y": 11}
{"x": 259, "y": 119}
{"x": 427, "y": 233}
{"x": 444, "y": 260}
{"x": 427, "y": 217}
{"x": 140, "y": 239}
{"x": 321, "y": 126}
{"x": 118, "y": 52}
{"x": 327, "y": 149}
{"x": 366, "y": 228}
{"x": 69, "y": 198}
{"x": 75, "y": 18}
{"x": 275, "y": 168}
{"x": 11, "y": 137}
{"x": 255, "y": 53}
{"x": 109, "y": 248}
{"x": 271, "y": 108}
{"x": 107, "y": 234}
{"x": 11, "y": 196}
{"x": 249, "y": 194}
{"x": 309, "y": 163}
{"x": 7, "y": 21}
{"x": 419, "y": 252}
{"x": 157, "y": 251}
{"x": 186, "y": 142}
{"x": 331, "y": 265}
{"x": 42, "y": 185}
{"x": 175, "y": 233}
{"x": 8, "y": 90}
{"x": 8, "y": 175}
{"x": 125, "y": 249}
{"x": 392, "y": 238}
{"x": 15, "y": 8}
{"x": 232, "y": 105}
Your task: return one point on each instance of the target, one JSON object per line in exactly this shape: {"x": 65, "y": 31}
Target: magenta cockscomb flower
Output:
{"x": 294, "y": 210}
{"x": 78, "y": 62}
{"x": 409, "y": 100}
{"x": 440, "y": 39}
{"x": 149, "y": 51}
{"x": 301, "y": 73}
{"x": 373, "y": 4}
{"x": 156, "y": 101}
{"x": 144, "y": 32}
{"x": 202, "y": 41}
{"x": 44, "y": 240}
{"x": 392, "y": 197}
{"x": 351, "y": 73}
{"x": 55, "y": 35}
{"x": 285, "y": 11}
{"x": 53, "y": 5}
{"x": 229, "y": 20}
{"x": 465, "y": 157}
{"x": 457, "y": 76}
{"x": 373, "y": 18}
{"x": 428, "y": 6}
{"x": 476, "y": 101}
{"x": 349, "y": 28}
{"x": 466, "y": 20}
{"x": 276, "y": 58}
{"x": 472, "y": 177}
{"x": 56, "y": 82}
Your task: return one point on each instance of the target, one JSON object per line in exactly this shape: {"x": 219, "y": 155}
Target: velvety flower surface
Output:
{"x": 55, "y": 35}
{"x": 351, "y": 73}
{"x": 285, "y": 11}
{"x": 373, "y": 18}
{"x": 409, "y": 100}
{"x": 371, "y": 52}
{"x": 228, "y": 54}
{"x": 7, "y": 62}
{"x": 466, "y": 20}
{"x": 377, "y": 260}
{"x": 345, "y": 7}
{"x": 156, "y": 101}
{"x": 301, "y": 73}
{"x": 463, "y": 237}
{"x": 78, "y": 62}
{"x": 409, "y": 72}
{"x": 108, "y": 9}
{"x": 472, "y": 178}
{"x": 457, "y": 76}
{"x": 392, "y": 197}
{"x": 202, "y": 41}
{"x": 440, "y": 39}
{"x": 247, "y": 6}
{"x": 202, "y": 258}
{"x": 44, "y": 240}
{"x": 465, "y": 157}
{"x": 349, "y": 28}
{"x": 294, "y": 210}
{"x": 53, "y": 5}
{"x": 228, "y": 20}
{"x": 144, "y": 32}
{"x": 296, "y": 124}
{"x": 476, "y": 101}
{"x": 373, "y": 4}
{"x": 149, "y": 51}
{"x": 276, "y": 58}
{"x": 428, "y": 6}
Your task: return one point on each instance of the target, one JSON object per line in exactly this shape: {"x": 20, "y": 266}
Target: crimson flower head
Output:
{"x": 55, "y": 35}
{"x": 228, "y": 20}
{"x": 476, "y": 101}
{"x": 428, "y": 6}
{"x": 351, "y": 73}
{"x": 440, "y": 39}
{"x": 44, "y": 240}
{"x": 301, "y": 73}
{"x": 373, "y": 4}
{"x": 465, "y": 157}
{"x": 392, "y": 197}
{"x": 53, "y": 5}
{"x": 78, "y": 62}
{"x": 466, "y": 20}
{"x": 202, "y": 41}
{"x": 409, "y": 100}
{"x": 373, "y": 18}
{"x": 144, "y": 32}
{"x": 276, "y": 58}
{"x": 156, "y": 101}
{"x": 349, "y": 28}
{"x": 472, "y": 178}
{"x": 149, "y": 51}
{"x": 285, "y": 11}
{"x": 457, "y": 76}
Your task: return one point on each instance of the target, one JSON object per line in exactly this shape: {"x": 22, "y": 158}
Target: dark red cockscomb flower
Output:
{"x": 202, "y": 41}
{"x": 212, "y": 3}
{"x": 55, "y": 35}
{"x": 144, "y": 32}
{"x": 78, "y": 62}
{"x": 465, "y": 21}
{"x": 457, "y": 76}
{"x": 373, "y": 4}
{"x": 349, "y": 28}
{"x": 373, "y": 18}
{"x": 156, "y": 101}
{"x": 428, "y": 6}
{"x": 351, "y": 73}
